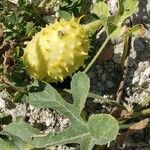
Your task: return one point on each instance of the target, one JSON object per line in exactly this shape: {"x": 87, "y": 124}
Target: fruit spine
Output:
{"x": 57, "y": 50}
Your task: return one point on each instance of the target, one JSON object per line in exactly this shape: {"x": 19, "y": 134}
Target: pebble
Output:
{"x": 48, "y": 121}
{"x": 138, "y": 45}
{"x": 2, "y": 103}
{"x": 19, "y": 111}
{"x": 31, "y": 107}
{"x": 117, "y": 58}
{"x": 49, "y": 19}
{"x": 147, "y": 72}
{"x": 142, "y": 81}
{"x": 109, "y": 84}
{"x": 135, "y": 80}
{"x": 3, "y": 95}
{"x": 141, "y": 66}
{"x": 103, "y": 77}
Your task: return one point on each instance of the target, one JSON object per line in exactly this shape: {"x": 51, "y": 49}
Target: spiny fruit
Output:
{"x": 57, "y": 50}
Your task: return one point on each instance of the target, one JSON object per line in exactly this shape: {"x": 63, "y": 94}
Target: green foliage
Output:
{"x": 145, "y": 101}
{"x": 69, "y": 8}
{"x": 21, "y": 21}
{"x": 18, "y": 140}
{"x": 104, "y": 9}
{"x": 113, "y": 24}
{"x": 99, "y": 129}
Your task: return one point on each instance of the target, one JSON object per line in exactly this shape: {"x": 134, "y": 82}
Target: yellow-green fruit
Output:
{"x": 57, "y": 51}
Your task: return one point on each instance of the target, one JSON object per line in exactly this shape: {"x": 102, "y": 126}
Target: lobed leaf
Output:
{"x": 100, "y": 129}
{"x": 101, "y": 9}
{"x": 113, "y": 24}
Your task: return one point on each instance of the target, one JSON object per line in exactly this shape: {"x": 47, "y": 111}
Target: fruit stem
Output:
{"x": 93, "y": 26}
{"x": 97, "y": 54}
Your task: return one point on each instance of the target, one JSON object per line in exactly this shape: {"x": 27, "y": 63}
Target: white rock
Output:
{"x": 48, "y": 121}
{"x": 2, "y": 103}
{"x": 112, "y": 5}
{"x": 109, "y": 84}
{"x": 142, "y": 81}
{"x": 103, "y": 77}
{"x": 49, "y": 18}
{"x": 31, "y": 107}
{"x": 147, "y": 72}
{"x": 141, "y": 66}
{"x": 135, "y": 80}
{"x": 14, "y": 1}
{"x": 94, "y": 1}
{"x": 136, "y": 73}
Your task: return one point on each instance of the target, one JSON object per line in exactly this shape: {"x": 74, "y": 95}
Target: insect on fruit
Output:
{"x": 57, "y": 50}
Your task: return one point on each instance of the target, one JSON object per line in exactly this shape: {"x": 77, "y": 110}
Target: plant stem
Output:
{"x": 99, "y": 99}
{"x": 92, "y": 26}
{"x": 126, "y": 126}
{"x": 97, "y": 54}
{"x": 144, "y": 112}
{"x": 124, "y": 63}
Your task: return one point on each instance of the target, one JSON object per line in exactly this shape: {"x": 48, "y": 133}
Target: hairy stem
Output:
{"x": 97, "y": 54}
{"x": 144, "y": 112}
{"x": 125, "y": 62}
{"x": 93, "y": 26}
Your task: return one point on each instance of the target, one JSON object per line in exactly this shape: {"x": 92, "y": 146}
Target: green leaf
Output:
{"x": 15, "y": 144}
{"x": 78, "y": 132}
{"x": 80, "y": 88}
{"x": 126, "y": 8}
{"x": 135, "y": 30}
{"x": 21, "y": 134}
{"x": 103, "y": 128}
{"x": 30, "y": 29}
{"x": 5, "y": 145}
{"x": 100, "y": 129}
{"x": 64, "y": 14}
{"x": 113, "y": 24}
{"x": 101, "y": 9}
{"x": 145, "y": 101}
{"x": 16, "y": 129}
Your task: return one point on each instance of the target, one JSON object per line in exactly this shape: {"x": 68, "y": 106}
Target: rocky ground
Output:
{"x": 105, "y": 77}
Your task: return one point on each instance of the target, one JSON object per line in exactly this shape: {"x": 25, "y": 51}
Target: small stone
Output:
{"x": 106, "y": 96}
{"x": 100, "y": 87}
{"x": 31, "y": 107}
{"x": 138, "y": 45}
{"x": 48, "y": 121}
{"x": 142, "y": 81}
{"x": 112, "y": 6}
{"x": 147, "y": 64}
{"x": 136, "y": 73}
{"x": 2, "y": 103}
{"x": 147, "y": 72}
{"x": 14, "y": 1}
{"x": 135, "y": 80}
{"x": 117, "y": 58}
{"x": 19, "y": 111}
{"x": 91, "y": 74}
{"x": 140, "y": 66}
{"x": 103, "y": 77}
{"x": 100, "y": 71}
{"x": 49, "y": 19}
{"x": 109, "y": 84}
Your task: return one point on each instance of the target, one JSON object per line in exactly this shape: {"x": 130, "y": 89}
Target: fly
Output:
{"x": 60, "y": 34}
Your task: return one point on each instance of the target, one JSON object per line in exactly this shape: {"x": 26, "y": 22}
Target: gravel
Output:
{"x": 105, "y": 78}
